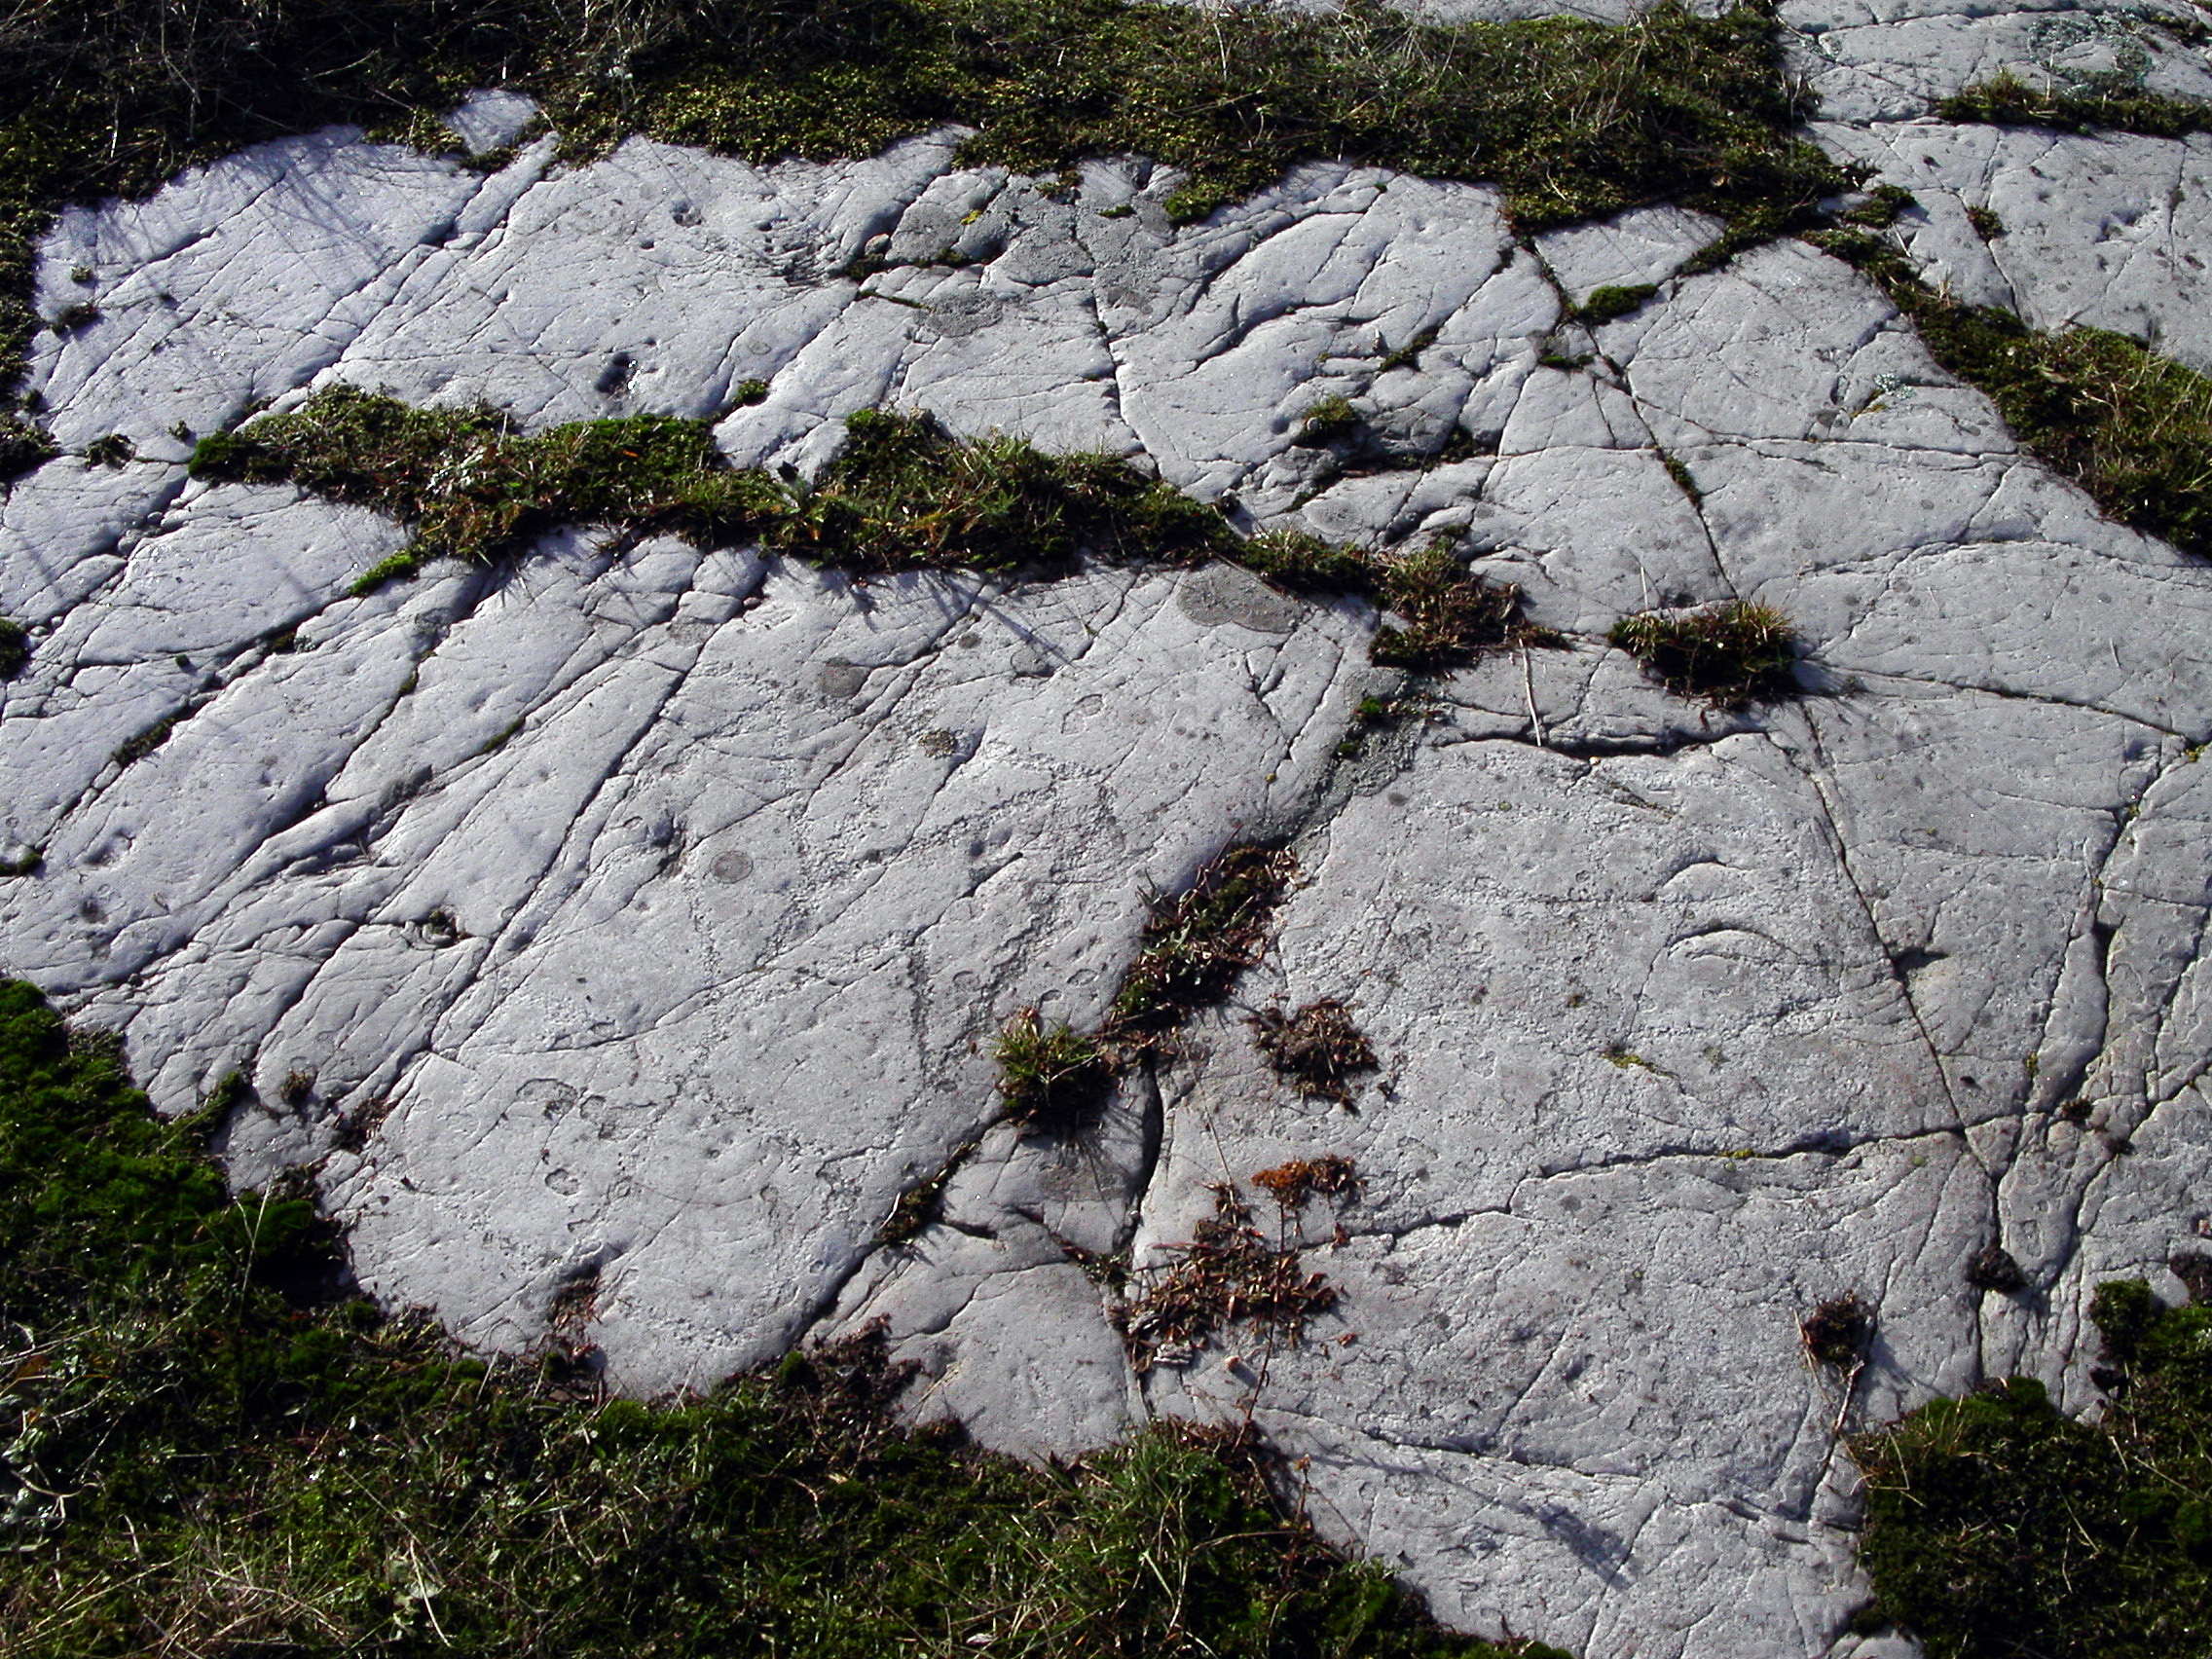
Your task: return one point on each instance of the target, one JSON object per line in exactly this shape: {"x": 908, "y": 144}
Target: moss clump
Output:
{"x": 22, "y": 446}
{"x": 14, "y": 648}
{"x": 1330, "y": 417}
{"x": 1836, "y": 1332}
{"x": 254, "y": 1462}
{"x": 2132, "y": 428}
{"x": 1998, "y": 1526}
{"x": 1727, "y": 655}
{"x": 2112, "y": 103}
{"x": 1606, "y": 304}
{"x": 1051, "y": 1078}
{"x": 1573, "y": 119}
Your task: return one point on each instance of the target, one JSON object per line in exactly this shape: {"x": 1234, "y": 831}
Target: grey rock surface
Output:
{"x": 1867, "y": 61}
{"x": 2097, "y": 229}
{"x": 640, "y": 924}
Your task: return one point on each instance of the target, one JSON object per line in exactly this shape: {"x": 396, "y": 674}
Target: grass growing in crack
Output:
{"x": 903, "y": 494}
{"x": 1727, "y": 655}
{"x": 1196, "y": 944}
{"x": 139, "y": 744}
{"x": 2132, "y": 428}
{"x": 1573, "y": 119}
{"x": 1450, "y": 617}
{"x": 1998, "y": 1527}
{"x": 1684, "y": 480}
{"x": 212, "y": 1448}
{"x": 1051, "y": 1078}
{"x": 1318, "y": 1048}
{"x": 470, "y": 486}
{"x": 1884, "y": 207}
{"x": 2112, "y": 103}
{"x": 921, "y": 1203}
{"x": 1194, "y": 947}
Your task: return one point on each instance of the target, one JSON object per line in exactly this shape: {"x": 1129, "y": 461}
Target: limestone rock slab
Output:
{"x": 629, "y": 931}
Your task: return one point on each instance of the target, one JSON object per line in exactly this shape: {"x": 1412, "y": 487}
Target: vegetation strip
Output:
{"x": 1572, "y": 119}
{"x": 903, "y": 494}
{"x": 2132, "y": 428}
{"x": 1997, "y": 1527}
{"x": 2111, "y": 105}
{"x": 212, "y": 1447}
{"x": 1195, "y": 944}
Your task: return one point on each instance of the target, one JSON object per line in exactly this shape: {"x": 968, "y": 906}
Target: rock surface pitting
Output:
{"x": 649, "y": 917}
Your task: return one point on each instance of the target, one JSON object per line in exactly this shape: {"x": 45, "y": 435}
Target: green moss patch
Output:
{"x": 1998, "y": 1528}
{"x": 2132, "y": 428}
{"x": 1605, "y": 305}
{"x": 212, "y": 1448}
{"x": 1051, "y": 1077}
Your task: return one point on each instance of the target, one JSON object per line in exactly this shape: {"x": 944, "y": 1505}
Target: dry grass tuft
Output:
{"x": 1318, "y": 1048}
{"x": 1230, "y": 1273}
